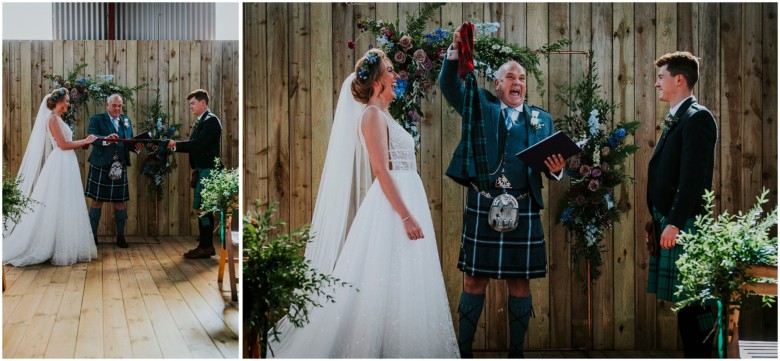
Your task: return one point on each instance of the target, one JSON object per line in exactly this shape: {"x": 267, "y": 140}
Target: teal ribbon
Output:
{"x": 722, "y": 331}
{"x": 222, "y": 228}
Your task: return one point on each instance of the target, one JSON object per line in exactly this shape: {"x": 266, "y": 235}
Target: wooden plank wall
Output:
{"x": 295, "y": 58}
{"x": 174, "y": 67}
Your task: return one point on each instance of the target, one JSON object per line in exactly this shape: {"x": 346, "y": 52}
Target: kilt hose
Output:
{"x": 486, "y": 253}
{"x": 196, "y": 199}
{"x": 102, "y": 189}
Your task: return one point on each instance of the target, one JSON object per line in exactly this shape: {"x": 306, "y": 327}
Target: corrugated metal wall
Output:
{"x": 134, "y": 21}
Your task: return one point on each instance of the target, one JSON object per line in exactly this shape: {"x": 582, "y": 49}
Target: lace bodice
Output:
{"x": 65, "y": 131}
{"x": 401, "y": 144}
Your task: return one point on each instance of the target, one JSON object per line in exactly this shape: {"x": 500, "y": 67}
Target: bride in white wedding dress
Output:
{"x": 388, "y": 251}
{"x": 56, "y": 227}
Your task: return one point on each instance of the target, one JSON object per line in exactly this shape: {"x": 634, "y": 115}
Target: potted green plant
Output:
{"x": 717, "y": 255}
{"x": 278, "y": 280}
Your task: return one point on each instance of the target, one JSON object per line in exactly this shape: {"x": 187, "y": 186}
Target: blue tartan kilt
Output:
{"x": 101, "y": 188}
{"x": 196, "y": 198}
{"x": 517, "y": 254}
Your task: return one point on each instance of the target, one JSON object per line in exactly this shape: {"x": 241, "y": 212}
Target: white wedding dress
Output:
{"x": 398, "y": 306}
{"x": 57, "y": 226}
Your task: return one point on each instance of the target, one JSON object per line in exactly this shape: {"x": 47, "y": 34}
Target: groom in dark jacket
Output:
{"x": 102, "y": 184}
{"x": 680, "y": 170}
{"x": 518, "y": 255}
{"x": 203, "y": 146}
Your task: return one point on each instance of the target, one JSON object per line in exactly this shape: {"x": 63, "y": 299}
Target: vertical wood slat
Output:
{"x": 131, "y": 63}
{"x": 625, "y": 235}
{"x": 322, "y": 85}
{"x": 645, "y": 137}
{"x": 278, "y": 110}
{"x": 300, "y": 114}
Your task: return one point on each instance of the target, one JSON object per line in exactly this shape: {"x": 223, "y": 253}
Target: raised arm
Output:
{"x": 374, "y": 128}
{"x": 56, "y": 131}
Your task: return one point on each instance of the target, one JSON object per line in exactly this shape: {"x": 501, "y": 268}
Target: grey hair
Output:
{"x": 501, "y": 72}
{"x": 114, "y": 96}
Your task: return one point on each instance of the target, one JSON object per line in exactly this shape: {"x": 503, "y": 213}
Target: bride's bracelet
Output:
{"x": 407, "y": 217}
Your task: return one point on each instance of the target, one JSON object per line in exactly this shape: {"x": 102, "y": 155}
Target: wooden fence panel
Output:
{"x": 131, "y": 62}
{"x": 738, "y": 84}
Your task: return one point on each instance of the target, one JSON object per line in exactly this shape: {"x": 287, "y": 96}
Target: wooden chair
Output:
{"x": 737, "y": 348}
{"x": 227, "y": 256}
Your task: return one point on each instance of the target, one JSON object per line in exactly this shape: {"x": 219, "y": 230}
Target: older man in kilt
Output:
{"x": 107, "y": 179}
{"x": 203, "y": 146}
{"x": 508, "y": 127}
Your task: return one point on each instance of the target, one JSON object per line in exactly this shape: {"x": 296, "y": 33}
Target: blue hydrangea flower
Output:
{"x": 566, "y": 215}
{"x": 593, "y": 122}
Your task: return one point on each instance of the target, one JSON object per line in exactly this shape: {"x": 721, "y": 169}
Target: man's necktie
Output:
{"x": 508, "y": 120}
{"x": 116, "y": 123}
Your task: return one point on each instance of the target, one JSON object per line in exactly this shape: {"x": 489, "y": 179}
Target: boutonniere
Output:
{"x": 126, "y": 122}
{"x": 670, "y": 121}
{"x": 535, "y": 123}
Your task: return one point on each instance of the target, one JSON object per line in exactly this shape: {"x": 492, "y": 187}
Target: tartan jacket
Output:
{"x": 490, "y": 108}
{"x": 101, "y": 126}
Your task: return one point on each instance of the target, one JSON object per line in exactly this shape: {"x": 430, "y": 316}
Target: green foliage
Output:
{"x": 84, "y": 88}
{"x": 157, "y": 164}
{"x": 15, "y": 204}
{"x": 716, "y": 256}
{"x": 220, "y": 190}
{"x": 278, "y": 280}
{"x": 418, "y": 56}
{"x": 589, "y": 207}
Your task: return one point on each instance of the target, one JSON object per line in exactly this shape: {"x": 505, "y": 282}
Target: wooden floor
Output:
{"x": 532, "y": 354}
{"x": 145, "y": 301}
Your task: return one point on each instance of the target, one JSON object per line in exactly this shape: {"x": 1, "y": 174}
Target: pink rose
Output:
{"x": 584, "y": 169}
{"x": 67, "y": 84}
{"x": 420, "y": 56}
{"x": 574, "y": 162}
{"x": 405, "y": 42}
{"x": 403, "y": 74}
{"x": 400, "y": 57}
{"x": 593, "y": 185}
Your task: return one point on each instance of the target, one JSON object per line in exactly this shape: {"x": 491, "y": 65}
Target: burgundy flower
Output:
{"x": 405, "y": 42}
{"x": 67, "y": 84}
{"x": 40, "y": 85}
{"x": 400, "y": 57}
{"x": 584, "y": 169}
{"x": 351, "y": 44}
{"x": 403, "y": 74}
{"x": 593, "y": 185}
{"x": 580, "y": 200}
{"x": 426, "y": 84}
{"x": 595, "y": 173}
{"x": 420, "y": 56}
{"x": 574, "y": 162}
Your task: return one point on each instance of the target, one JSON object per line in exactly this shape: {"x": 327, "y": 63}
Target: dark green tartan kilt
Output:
{"x": 487, "y": 253}
{"x": 663, "y": 276}
{"x": 103, "y": 189}
{"x": 196, "y": 199}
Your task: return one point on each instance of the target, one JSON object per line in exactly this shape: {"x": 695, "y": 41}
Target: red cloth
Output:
{"x": 466, "y": 50}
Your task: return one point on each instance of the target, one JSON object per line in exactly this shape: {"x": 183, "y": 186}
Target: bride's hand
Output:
{"x": 413, "y": 229}
{"x": 89, "y": 139}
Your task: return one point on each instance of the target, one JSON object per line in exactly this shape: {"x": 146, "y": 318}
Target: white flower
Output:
{"x": 608, "y": 199}
{"x": 495, "y": 47}
{"x": 535, "y": 120}
{"x": 506, "y": 50}
{"x": 596, "y": 156}
{"x": 486, "y": 28}
{"x": 127, "y": 123}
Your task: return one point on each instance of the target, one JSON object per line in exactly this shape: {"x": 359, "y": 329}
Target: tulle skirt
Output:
{"x": 57, "y": 227}
{"x": 397, "y": 307}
